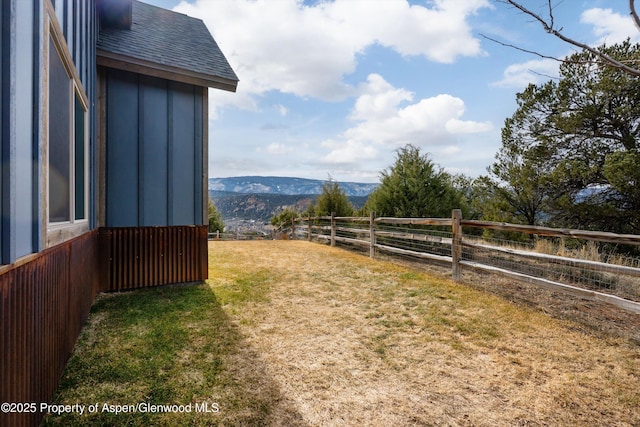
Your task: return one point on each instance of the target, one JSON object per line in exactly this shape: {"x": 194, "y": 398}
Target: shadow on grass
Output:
{"x": 176, "y": 346}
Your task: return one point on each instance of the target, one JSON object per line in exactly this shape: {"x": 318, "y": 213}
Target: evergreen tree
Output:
{"x": 570, "y": 151}
{"x": 415, "y": 187}
{"x": 284, "y": 218}
{"x": 215, "y": 218}
{"x": 333, "y": 199}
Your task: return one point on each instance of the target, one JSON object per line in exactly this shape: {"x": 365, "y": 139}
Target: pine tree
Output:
{"x": 333, "y": 199}
{"x": 415, "y": 187}
{"x": 215, "y": 218}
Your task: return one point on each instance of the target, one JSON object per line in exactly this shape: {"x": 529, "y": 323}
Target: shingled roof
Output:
{"x": 166, "y": 44}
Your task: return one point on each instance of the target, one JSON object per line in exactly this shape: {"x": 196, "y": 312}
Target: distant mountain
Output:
{"x": 249, "y": 202}
{"x": 283, "y": 185}
{"x": 261, "y": 207}
{"x": 256, "y": 207}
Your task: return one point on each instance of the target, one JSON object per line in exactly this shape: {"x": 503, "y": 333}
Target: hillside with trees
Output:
{"x": 413, "y": 186}
{"x": 253, "y": 212}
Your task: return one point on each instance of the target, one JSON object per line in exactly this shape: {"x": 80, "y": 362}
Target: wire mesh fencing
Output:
{"x": 579, "y": 262}
{"x": 574, "y": 262}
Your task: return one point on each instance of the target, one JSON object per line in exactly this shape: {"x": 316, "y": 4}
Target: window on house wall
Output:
{"x": 67, "y": 138}
{"x": 60, "y": 85}
{"x": 80, "y": 155}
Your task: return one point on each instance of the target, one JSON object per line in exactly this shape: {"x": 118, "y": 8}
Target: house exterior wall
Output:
{"x": 19, "y": 79}
{"x": 52, "y": 270}
{"x": 140, "y": 257}
{"x": 23, "y": 115}
{"x": 154, "y": 151}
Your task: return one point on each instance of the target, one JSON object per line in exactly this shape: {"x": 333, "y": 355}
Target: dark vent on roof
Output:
{"x": 115, "y": 14}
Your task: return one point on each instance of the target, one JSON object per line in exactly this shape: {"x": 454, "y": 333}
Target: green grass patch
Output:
{"x": 164, "y": 346}
{"x": 249, "y": 287}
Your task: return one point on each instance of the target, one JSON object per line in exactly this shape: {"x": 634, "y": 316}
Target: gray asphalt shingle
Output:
{"x": 169, "y": 38}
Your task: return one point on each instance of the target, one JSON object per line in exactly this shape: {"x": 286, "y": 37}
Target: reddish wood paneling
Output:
{"x": 46, "y": 299}
{"x": 45, "y": 302}
{"x": 150, "y": 256}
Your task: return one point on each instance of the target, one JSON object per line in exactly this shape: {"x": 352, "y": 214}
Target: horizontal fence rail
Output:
{"x": 600, "y": 236}
{"x": 240, "y": 235}
{"x": 443, "y": 240}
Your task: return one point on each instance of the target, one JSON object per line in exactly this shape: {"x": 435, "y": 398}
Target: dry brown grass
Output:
{"x": 346, "y": 340}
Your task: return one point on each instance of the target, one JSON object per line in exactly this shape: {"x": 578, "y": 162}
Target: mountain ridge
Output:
{"x": 254, "y": 184}
{"x": 247, "y": 203}
{"x": 261, "y": 207}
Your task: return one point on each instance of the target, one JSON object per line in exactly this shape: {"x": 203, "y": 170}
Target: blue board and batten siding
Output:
{"x": 19, "y": 123}
{"x": 21, "y": 74}
{"x": 154, "y": 151}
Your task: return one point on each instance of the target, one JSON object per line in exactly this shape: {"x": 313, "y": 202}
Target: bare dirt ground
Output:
{"x": 345, "y": 340}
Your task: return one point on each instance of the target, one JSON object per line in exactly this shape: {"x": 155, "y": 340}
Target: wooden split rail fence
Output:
{"x": 442, "y": 240}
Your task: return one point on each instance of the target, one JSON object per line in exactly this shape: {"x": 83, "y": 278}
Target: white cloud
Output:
{"x": 609, "y": 26}
{"x": 306, "y": 50}
{"x": 281, "y": 109}
{"x": 440, "y": 32}
{"x": 378, "y": 99}
{"x": 346, "y": 152}
{"x": 221, "y": 98}
{"x": 450, "y": 150}
{"x": 457, "y": 126}
{"x": 382, "y": 120}
{"x": 277, "y": 148}
{"x": 519, "y": 75}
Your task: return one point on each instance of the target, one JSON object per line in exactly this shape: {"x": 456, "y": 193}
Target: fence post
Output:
{"x": 333, "y": 228}
{"x": 309, "y": 228}
{"x": 372, "y": 234}
{"x": 293, "y": 228}
{"x": 456, "y": 243}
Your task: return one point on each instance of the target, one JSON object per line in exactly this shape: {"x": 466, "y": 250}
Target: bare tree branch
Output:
{"x": 634, "y": 14}
{"x": 537, "y": 73}
{"x": 548, "y": 26}
{"x": 551, "y": 20}
{"x": 532, "y": 52}
{"x": 543, "y": 56}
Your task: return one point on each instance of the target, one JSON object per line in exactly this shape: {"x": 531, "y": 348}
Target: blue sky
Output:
{"x": 336, "y": 87}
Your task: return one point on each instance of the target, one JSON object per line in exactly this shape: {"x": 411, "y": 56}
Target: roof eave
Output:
{"x": 141, "y": 66}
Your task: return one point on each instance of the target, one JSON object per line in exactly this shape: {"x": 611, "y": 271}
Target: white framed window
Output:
{"x": 66, "y": 136}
